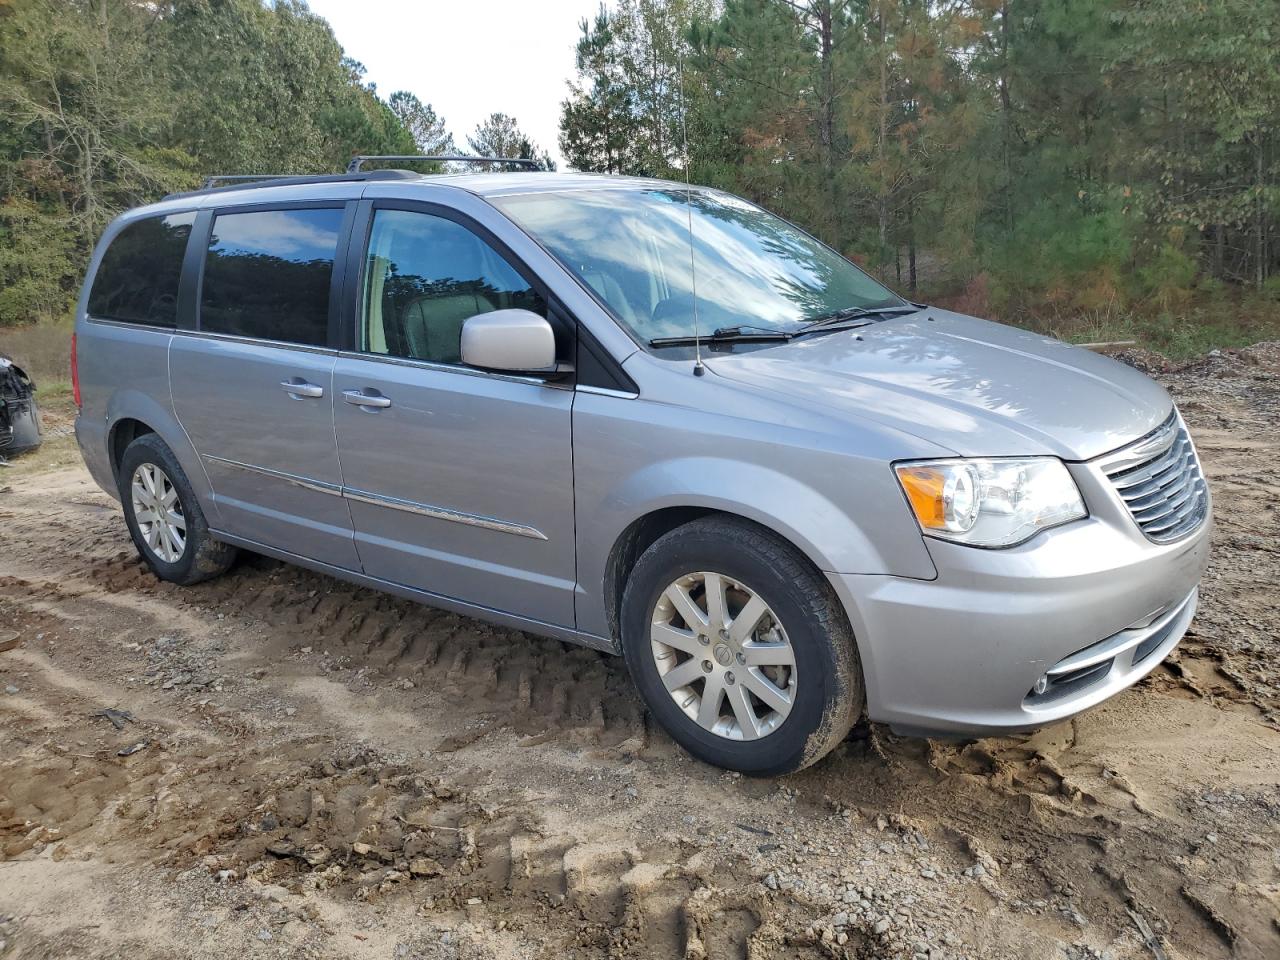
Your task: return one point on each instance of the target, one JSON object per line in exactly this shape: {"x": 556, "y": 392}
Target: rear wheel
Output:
{"x": 164, "y": 518}
{"x": 740, "y": 648}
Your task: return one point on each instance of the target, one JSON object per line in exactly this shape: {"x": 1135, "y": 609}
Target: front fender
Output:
{"x": 804, "y": 516}
{"x": 846, "y": 514}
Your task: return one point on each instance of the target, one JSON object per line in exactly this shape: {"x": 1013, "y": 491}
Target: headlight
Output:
{"x": 990, "y": 503}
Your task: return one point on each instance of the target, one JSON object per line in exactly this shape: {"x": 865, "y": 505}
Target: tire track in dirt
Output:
{"x": 1157, "y": 812}
{"x": 538, "y": 685}
{"x": 299, "y": 816}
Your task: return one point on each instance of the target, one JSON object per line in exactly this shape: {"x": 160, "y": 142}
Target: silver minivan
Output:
{"x": 652, "y": 419}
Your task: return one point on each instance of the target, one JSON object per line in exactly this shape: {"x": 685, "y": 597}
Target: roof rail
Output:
{"x": 253, "y": 181}
{"x": 358, "y": 161}
{"x": 213, "y": 180}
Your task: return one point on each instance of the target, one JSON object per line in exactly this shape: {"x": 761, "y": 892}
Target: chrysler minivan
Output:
{"x": 652, "y": 419}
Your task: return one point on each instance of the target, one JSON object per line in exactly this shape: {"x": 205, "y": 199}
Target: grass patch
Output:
{"x": 1177, "y": 337}
{"x": 43, "y": 350}
{"x": 1215, "y": 319}
{"x": 1218, "y": 320}
{"x": 53, "y": 454}
{"x": 53, "y": 390}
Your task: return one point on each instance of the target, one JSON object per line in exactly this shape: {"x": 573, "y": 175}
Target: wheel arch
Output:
{"x": 663, "y": 493}
{"x": 123, "y": 432}
{"x": 646, "y": 529}
{"x": 132, "y": 414}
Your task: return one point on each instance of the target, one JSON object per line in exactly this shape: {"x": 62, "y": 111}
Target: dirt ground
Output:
{"x": 304, "y": 768}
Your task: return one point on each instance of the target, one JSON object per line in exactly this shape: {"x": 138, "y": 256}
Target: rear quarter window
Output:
{"x": 137, "y": 280}
{"x": 267, "y": 274}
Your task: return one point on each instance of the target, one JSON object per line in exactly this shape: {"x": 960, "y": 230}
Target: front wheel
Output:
{"x": 739, "y": 647}
{"x": 165, "y": 520}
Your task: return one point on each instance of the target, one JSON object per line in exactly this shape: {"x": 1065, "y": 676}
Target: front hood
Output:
{"x": 975, "y": 387}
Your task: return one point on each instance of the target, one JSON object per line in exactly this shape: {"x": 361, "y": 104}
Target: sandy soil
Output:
{"x": 309, "y": 769}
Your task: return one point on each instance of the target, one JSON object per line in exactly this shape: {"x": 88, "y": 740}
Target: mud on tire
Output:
{"x": 828, "y": 698}
{"x": 202, "y": 557}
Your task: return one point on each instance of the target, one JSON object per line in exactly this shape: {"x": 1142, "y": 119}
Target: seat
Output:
{"x": 610, "y": 291}
{"x": 433, "y": 325}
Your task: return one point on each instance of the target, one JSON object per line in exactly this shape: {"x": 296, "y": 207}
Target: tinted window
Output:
{"x": 137, "y": 281}
{"x": 425, "y": 275}
{"x": 267, "y": 274}
{"x": 753, "y": 269}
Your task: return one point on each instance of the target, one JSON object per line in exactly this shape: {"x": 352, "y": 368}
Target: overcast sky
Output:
{"x": 468, "y": 59}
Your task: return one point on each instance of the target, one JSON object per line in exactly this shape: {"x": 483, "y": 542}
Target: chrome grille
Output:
{"x": 1160, "y": 480}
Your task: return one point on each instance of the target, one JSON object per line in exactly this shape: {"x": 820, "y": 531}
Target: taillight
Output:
{"x": 75, "y": 373}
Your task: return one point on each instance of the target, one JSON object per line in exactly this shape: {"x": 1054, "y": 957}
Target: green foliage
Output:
{"x": 1066, "y": 250}
{"x": 625, "y": 110}
{"x": 38, "y": 262}
{"x": 1205, "y": 154}
{"x": 425, "y": 126}
{"x": 597, "y": 132}
{"x": 754, "y": 119}
{"x": 1178, "y": 335}
{"x": 105, "y": 104}
{"x": 1270, "y": 291}
{"x": 499, "y": 135}
{"x": 1050, "y": 158}
{"x": 1056, "y": 156}
{"x": 84, "y": 106}
{"x": 1168, "y": 275}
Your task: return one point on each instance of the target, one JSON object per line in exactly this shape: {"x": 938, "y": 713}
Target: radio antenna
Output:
{"x": 698, "y": 368}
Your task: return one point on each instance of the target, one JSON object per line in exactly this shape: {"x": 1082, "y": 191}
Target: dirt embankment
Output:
{"x": 294, "y": 767}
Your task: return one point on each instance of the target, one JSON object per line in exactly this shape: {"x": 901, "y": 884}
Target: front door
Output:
{"x": 253, "y": 386}
{"x": 460, "y": 482}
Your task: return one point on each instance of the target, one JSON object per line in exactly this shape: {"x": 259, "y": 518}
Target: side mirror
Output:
{"x": 516, "y": 341}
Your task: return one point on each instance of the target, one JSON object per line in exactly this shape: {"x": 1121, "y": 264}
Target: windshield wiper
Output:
{"x": 746, "y": 333}
{"x": 851, "y": 314}
{"x": 736, "y": 334}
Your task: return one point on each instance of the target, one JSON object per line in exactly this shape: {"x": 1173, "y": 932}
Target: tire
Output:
{"x": 200, "y": 557}
{"x": 824, "y": 680}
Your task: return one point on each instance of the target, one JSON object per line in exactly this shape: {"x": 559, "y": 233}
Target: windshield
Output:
{"x": 754, "y": 270}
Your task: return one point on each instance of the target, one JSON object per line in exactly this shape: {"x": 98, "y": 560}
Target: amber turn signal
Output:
{"x": 924, "y": 487}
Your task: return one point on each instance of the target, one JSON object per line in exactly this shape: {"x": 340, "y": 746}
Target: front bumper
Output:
{"x": 1088, "y": 608}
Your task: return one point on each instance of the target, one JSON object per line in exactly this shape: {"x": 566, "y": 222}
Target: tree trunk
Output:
{"x": 828, "y": 84}
{"x": 828, "y": 117}
{"x": 911, "y": 250}
{"x": 608, "y": 142}
{"x": 1006, "y": 117}
{"x": 882, "y": 202}
{"x": 1260, "y": 231}
{"x": 655, "y": 113}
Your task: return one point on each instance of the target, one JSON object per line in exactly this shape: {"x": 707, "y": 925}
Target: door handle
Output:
{"x": 300, "y": 388}
{"x": 362, "y": 399}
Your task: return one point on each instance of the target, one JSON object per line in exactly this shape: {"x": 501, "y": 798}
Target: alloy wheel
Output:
{"x": 158, "y": 512}
{"x": 723, "y": 656}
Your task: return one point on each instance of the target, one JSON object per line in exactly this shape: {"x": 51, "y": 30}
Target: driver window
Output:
{"x": 424, "y": 276}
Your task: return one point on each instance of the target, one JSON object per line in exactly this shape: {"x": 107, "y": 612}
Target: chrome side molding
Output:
{"x": 394, "y": 503}
{"x": 442, "y": 513}
{"x": 319, "y": 486}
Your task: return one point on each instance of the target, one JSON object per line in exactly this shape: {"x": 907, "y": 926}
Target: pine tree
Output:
{"x": 756, "y": 130}
{"x": 499, "y": 135}
{"x": 425, "y": 126}
{"x": 597, "y": 123}
{"x": 1205, "y": 158}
